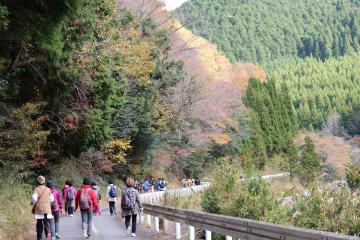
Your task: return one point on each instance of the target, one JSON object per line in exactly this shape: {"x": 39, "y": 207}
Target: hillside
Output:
{"x": 319, "y": 89}
{"x": 335, "y": 151}
{"x": 220, "y": 83}
{"x": 263, "y": 30}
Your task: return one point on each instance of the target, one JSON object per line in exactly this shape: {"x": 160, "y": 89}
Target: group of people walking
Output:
{"x": 48, "y": 205}
{"x": 150, "y": 185}
{"x": 190, "y": 182}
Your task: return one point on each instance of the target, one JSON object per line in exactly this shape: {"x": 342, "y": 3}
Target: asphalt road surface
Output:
{"x": 106, "y": 227}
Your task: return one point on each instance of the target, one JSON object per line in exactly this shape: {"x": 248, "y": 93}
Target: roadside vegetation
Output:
{"x": 315, "y": 205}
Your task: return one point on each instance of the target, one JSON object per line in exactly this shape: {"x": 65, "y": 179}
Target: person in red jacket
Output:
{"x": 86, "y": 200}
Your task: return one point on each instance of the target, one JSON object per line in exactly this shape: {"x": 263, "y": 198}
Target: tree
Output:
{"x": 309, "y": 162}
{"x": 291, "y": 161}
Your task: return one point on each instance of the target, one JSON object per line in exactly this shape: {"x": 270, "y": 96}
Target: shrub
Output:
{"x": 353, "y": 177}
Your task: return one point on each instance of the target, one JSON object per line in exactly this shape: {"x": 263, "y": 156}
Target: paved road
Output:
{"x": 105, "y": 227}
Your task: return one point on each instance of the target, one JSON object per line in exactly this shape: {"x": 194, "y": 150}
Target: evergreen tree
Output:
{"x": 291, "y": 160}
{"x": 309, "y": 161}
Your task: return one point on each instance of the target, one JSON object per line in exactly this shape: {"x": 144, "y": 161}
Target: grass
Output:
{"x": 192, "y": 201}
{"x": 16, "y": 220}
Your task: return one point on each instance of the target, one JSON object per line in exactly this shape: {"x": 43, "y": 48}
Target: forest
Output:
{"x": 311, "y": 46}
{"x": 82, "y": 78}
{"x": 319, "y": 89}
{"x": 263, "y": 31}
{"x": 85, "y": 89}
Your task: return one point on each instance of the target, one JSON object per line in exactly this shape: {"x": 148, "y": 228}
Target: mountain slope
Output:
{"x": 264, "y": 30}
{"x": 220, "y": 83}
{"x": 319, "y": 89}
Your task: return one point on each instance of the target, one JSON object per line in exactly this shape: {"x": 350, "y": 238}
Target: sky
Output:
{"x": 173, "y": 4}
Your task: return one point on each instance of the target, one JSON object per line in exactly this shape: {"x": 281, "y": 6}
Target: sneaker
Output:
{"x": 85, "y": 233}
{"x": 71, "y": 215}
{"x": 53, "y": 238}
{"x": 133, "y": 235}
{"x": 57, "y": 236}
{"x": 89, "y": 237}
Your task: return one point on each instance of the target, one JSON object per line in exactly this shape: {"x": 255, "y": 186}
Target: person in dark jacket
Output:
{"x": 197, "y": 181}
{"x": 131, "y": 206}
{"x": 86, "y": 201}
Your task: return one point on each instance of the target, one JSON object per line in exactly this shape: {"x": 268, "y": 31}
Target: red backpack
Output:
{"x": 85, "y": 201}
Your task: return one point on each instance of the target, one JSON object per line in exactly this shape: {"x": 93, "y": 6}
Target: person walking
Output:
{"x": 131, "y": 206}
{"x": 41, "y": 199}
{"x": 152, "y": 184}
{"x": 184, "y": 183}
{"x": 111, "y": 195}
{"x": 146, "y": 186}
{"x": 86, "y": 200}
{"x": 158, "y": 184}
{"x": 163, "y": 184}
{"x": 64, "y": 190}
{"x": 69, "y": 197}
{"x": 56, "y": 208}
{"x": 197, "y": 181}
{"x": 97, "y": 192}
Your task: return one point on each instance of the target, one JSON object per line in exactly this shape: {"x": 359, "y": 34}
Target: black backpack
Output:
{"x": 129, "y": 199}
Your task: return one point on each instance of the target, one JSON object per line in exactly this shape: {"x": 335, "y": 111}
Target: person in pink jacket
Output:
{"x": 56, "y": 208}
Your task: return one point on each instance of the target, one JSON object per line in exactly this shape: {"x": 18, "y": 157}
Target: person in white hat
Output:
{"x": 41, "y": 200}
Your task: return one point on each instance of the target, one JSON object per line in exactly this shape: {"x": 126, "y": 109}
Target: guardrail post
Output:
{"x": 165, "y": 224}
{"x": 178, "y": 231}
{"x": 157, "y": 225}
{"x": 191, "y": 233}
{"x": 207, "y": 235}
{"x": 149, "y": 220}
{"x": 228, "y": 238}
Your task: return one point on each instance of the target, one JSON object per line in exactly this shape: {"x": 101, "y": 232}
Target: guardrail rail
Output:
{"x": 232, "y": 227}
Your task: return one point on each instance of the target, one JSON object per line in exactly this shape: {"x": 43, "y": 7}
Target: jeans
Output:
{"x": 112, "y": 208}
{"x": 66, "y": 207}
{"x": 133, "y": 222}
{"x": 42, "y": 225}
{"x": 54, "y": 223}
{"x": 87, "y": 218}
{"x": 70, "y": 209}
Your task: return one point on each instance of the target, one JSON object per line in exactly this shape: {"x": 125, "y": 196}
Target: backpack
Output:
{"x": 197, "y": 181}
{"x": 113, "y": 192}
{"x": 70, "y": 195}
{"x": 162, "y": 184}
{"x": 129, "y": 199}
{"x": 146, "y": 186}
{"x": 53, "y": 205}
{"x": 85, "y": 201}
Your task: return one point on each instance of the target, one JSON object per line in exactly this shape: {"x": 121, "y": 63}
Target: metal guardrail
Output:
{"x": 237, "y": 228}
{"x": 155, "y": 197}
